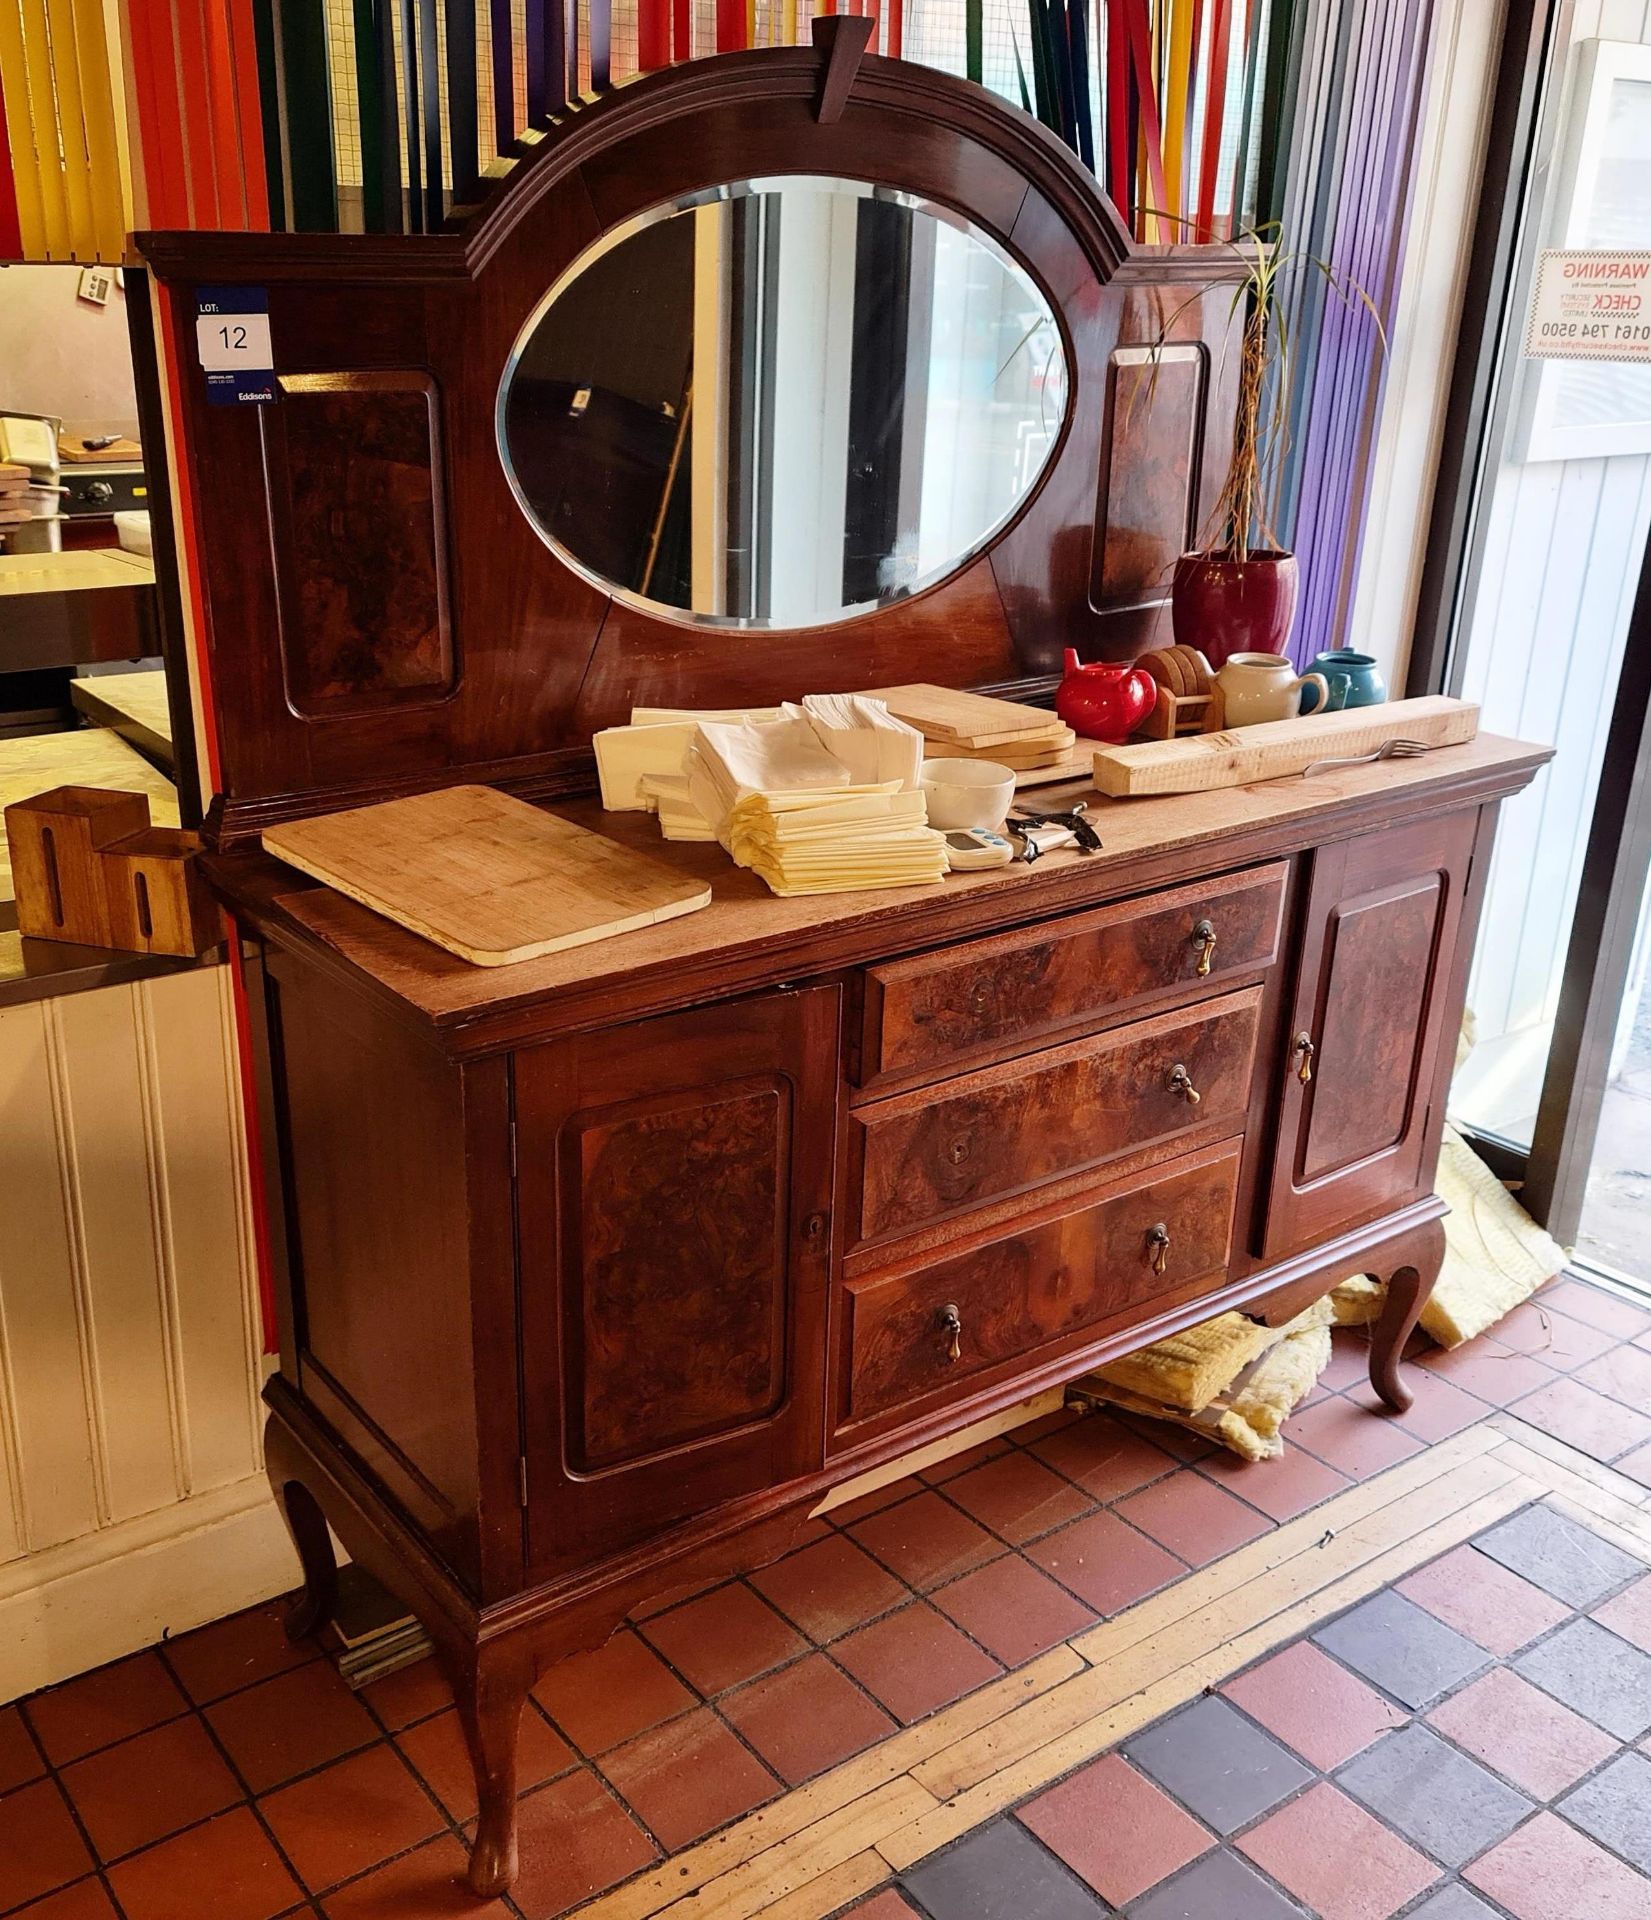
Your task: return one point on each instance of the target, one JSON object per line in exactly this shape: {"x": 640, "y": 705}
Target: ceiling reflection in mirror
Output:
{"x": 782, "y": 403}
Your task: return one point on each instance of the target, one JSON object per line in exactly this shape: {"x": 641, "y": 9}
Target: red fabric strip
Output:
{"x": 897, "y": 28}
{"x": 653, "y": 34}
{"x": 160, "y": 125}
{"x": 1140, "y": 43}
{"x": 223, "y": 123}
{"x": 11, "y": 232}
{"x": 1117, "y": 112}
{"x": 1214, "y": 111}
{"x": 244, "y": 62}
{"x": 193, "y": 93}
{"x": 730, "y": 26}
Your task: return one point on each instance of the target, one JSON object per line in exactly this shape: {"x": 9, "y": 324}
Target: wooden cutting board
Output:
{"x": 1278, "y": 747}
{"x": 485, "y": 876}
{"x": 969, "y": 719}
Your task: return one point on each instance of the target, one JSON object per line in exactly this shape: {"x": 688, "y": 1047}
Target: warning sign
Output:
{"x": 1591, "y": 305}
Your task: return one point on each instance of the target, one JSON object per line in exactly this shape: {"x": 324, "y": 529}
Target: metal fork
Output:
{"x": 1388, "y": 750}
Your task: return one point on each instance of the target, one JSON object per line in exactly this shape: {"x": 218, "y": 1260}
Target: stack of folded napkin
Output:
{"x": 823, "y": 799}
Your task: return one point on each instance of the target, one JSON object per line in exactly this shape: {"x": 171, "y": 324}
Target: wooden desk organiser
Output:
{"x": 89, "y": 868}
{"x": 597, "y": 1273}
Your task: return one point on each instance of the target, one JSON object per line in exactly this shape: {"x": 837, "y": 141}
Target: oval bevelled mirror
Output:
{"x": 782, "y": 402}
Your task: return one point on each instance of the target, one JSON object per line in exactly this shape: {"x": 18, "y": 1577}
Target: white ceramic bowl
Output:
{"x": 967, "y": 793}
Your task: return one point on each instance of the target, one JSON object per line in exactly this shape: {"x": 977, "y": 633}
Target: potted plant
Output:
{"x": 1237, "y": 594}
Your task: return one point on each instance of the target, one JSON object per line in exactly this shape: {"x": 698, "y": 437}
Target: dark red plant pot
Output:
{"x": 1223, "y": 606}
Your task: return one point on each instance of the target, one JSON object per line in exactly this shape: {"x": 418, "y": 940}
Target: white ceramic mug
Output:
{"x": 1264, "y": 686}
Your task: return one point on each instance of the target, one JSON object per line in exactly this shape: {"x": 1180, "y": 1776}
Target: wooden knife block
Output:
{"x": 88, "y": 867}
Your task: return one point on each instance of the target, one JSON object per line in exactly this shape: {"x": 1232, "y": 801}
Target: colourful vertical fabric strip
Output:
{"x": 601, "y": 45}
{"x": 730, "y": 25}
{"x": 463, "y": 134}
{"x": 1215, "y": 102}
{"x": 1152, "y": 143}
{"x": 11, "y": 225}
{"x": 501, "y": 50}
{"x": 1178, "y": 58}
{"x": 653, "y": 34}
{"x": 312, "y": 194}
{"x": 375, "y": 90}
{"x": 974, "y": 41}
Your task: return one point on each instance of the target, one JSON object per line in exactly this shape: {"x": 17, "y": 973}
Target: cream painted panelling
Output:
{"x": 130, "y": 1332}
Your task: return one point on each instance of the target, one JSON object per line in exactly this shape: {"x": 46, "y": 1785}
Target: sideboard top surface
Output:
{"x": 749, "y": 937}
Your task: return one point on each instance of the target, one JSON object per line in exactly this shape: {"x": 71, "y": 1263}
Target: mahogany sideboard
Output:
{"x": 596, "y": 1274}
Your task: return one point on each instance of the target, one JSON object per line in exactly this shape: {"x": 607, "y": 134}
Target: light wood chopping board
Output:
{"x": 970, "y": 719}
{"x": 1232, "y": 758}
{"x": 486, "y": 876}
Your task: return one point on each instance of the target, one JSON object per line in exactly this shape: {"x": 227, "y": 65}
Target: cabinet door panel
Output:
{"x": 1383, "y": 958}
{"x": 674, "y": 1194}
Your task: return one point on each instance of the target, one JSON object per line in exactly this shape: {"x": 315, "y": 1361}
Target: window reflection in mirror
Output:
{"x": 783, "y": 403}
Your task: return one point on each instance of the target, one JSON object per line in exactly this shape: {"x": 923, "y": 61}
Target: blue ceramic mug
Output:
{"x": 1354, "y": 680}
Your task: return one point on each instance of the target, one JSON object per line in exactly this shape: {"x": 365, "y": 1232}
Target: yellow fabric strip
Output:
{"x": 25, "y": 161}
{"x": 1179, "y": 82}
{"x": 71, "y": 122}
{"x": 110, "y": 207}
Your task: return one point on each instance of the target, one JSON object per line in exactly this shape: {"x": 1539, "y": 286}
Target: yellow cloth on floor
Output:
{"x": 1495, "y": 1253}
{"x": 1358, "y": 1302}
{"x": 1247, "y": 1414}
{"x": 1187, "y": 1370}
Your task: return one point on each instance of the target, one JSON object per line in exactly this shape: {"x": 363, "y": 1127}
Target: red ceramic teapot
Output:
{"x": 1104, "y": 701}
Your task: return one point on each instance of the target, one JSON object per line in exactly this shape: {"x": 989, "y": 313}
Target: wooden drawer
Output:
{"x": 999, "y": 996}
{"x": 1041, "y": 1286}
{"x": 919, "y": 1157}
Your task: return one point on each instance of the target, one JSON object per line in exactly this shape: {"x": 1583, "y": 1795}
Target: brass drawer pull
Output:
{"x": 951, "y": 1324}
{"x": 1203, "y": 942}
{"x": 1158, "y": 1243}
{"x": 1303, "y": 1052}
{"x": 1180, "y": 1081}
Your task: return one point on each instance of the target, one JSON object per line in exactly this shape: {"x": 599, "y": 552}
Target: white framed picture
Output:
{"x": 1582, "y": 407}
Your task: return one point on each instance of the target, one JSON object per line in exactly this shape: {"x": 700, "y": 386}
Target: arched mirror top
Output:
{"x": 782, "y": 402}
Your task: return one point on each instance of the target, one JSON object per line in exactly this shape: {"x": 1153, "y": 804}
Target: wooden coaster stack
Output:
{"x": 972, "y": 726}
{"x": 15, "y": 504}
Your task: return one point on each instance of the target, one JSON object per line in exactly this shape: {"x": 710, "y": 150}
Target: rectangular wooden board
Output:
{"x": 968, "y": 719}
{"x": 486, "y": 876}
{"x": 1277, "y": 748}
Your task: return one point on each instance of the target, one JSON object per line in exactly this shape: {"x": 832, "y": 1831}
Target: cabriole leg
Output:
{"x": 490, "y": 1710}
{"x": 307, "y": 1525}
{"x": 1408, "y": 1287}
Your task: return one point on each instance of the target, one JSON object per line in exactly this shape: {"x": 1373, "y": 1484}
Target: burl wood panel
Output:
{"x": 1148, "y": 510}
{"x": 674, "y": 1291}
{"x": 1378, "y": 994}
{"x": 674, "y": 1218}
{"x": 353, "y": 467}
{"x": 1005, "y": 1130}
{"x": 999, "y": 995}
{"x": 1037, "y": 1287}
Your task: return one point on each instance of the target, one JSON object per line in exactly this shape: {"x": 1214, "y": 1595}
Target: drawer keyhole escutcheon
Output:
{"x": 1203, "y": 942}
{"x": 951, "y": 1325}
{"x": 1158, "y": 1243}
{"x": 1304, "y": 1051}
{"x": 1180, "y": 1081}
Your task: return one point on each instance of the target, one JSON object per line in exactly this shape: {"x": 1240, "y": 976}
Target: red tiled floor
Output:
{"x": 684, "y": 1779}
{"x": 1018, "y": 1497}
{"x": 427, "y": 1884}
{"x": 150, "y": 1786}
{"x": 1012, "y": 1609}
{"x": 231, "y": 1855}
{"x": 1346, "y": 1437}
{"x": 349, "y": 1817}
{"x": 1438, "y": 1409}
{"x": 926, "y": 1540}
{"x": 829, "y": 1588}
{"x": 723, "y": 1638}
{"x": 1489, "y": 1603}
{"x": 40, "y": 1845}
{"x": 85, "y": 1900}
{"x": 1337, "y": 1858}
{"x": 233, "y": 1653}
{"x": 1106, "y": 1563}
{"x": 806, "y": 1717}
{"x": 1115, "y": 1829}
{"x": 1637, "y": 1465}
{"x": 412, "y": 1693}
{"x": 1349, "y": 1359}
{"x": 289, "y": 1725}
{"x": 20, "y": 1759}
{"x": 1629, "y": 1614}
{"x": 1281, "y": 1488}
{"x": 1597, "y": 1307}
{"x": 1484, "y": 1366}
{"x": 887, "y": 1905}
{"x": 102, "y": 1707}
{"x": 1314, "y": 1705}
{"x": 441, "y": 1759}
{"x": 1548, "y": 1871}
{"x": 611, "y": 1694}
{"x": 1524, "y": 1733}
{"x": 1193, "y": 1517}
{"x": 1624, "y": 1373}
{"x": 1104, "y": 1457}
{"x": 1584, "y": 1419}
{"x": 913, "y": 1661}
{"x": 1556, "y": 1339}
{"x": 576, "y": 1840}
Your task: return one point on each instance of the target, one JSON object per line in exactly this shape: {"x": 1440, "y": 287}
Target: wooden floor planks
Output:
{"x": 834, "y": 1839}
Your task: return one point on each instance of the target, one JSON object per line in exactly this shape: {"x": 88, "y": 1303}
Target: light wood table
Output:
{"x": 132, "y": 705}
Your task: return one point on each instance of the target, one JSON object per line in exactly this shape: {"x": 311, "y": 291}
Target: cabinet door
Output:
{"x": 673, "y": 1197}
{"x": 1378, "y": 995}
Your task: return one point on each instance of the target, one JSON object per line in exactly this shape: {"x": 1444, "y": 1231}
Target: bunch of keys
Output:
{"x": 1039, "y": 833}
